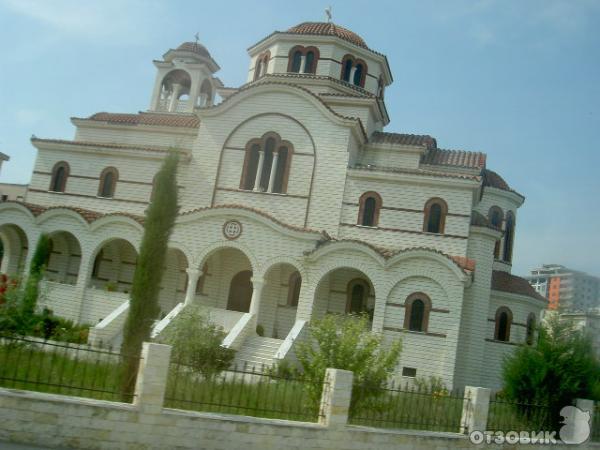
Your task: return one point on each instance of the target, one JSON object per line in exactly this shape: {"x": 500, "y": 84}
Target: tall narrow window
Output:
{"x": 368, "y": 209}
{"x": 435, "y": 216}
{"x": 416, "y": 312}
{"x": 358, "y": 75}
{"x": 509, "y": 236}
{"x": 495, "y": 216}
{"x": 267, "y": 164}
{"x": 296, "y": 61}
{"x": 60, "y": 173}
{"x": 530, "y": 329}
{"x": 503, "y": 324}
{"x": 358, "y": 293}
{"x": 309, "y": 62}
{"x": 262, "y": 64}
{"x": 294, "y": 285}
{"x": 108, "y": 182}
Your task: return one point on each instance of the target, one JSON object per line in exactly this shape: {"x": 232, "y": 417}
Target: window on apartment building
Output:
{"x": 108, "y": 182}
{"x": 495, "y": 216}
{"x": 60, "y": 174}
{"x": 357, "y": 295}
{"x": 416, "y": 312}
{"x": 509, "y": 237}
{"x": 503, "y": 323}
{"x": 294, "y": 285}
{"x": 353, "y": 70}
{"x": 435, "y": 212}
{"x": 530, "y": 329}
{"x": 267, "y": 164}
{"x": 369, "y": 205}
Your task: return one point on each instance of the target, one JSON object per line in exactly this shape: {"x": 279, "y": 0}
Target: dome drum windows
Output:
{"x": 267, "y": 165}
{"x": 368, "y": 211}
{"x": 60, "y": 174}
{"x": 509, "y": 236}
{"x": 108, "y": 182}
{"x": 303, "y": 60}
{"x": 496, "y": 216}
{"x": 416, "y": 312}
{"x": 435, "y": 211}
{"x": 262, "y": 65}
{"x": 354, "y": 71}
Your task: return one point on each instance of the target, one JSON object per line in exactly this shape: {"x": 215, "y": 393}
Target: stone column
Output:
{"x": 86, "y": 265}
{"x": 192, "y": 281}
{"x": 378, "y": 313}
{"x": 261, "y": 160}
{"x": 257, "y": 287}
{"x": 302, "y": 62}
{"x": 273, "y": 171}
{"x": 335, "y": 400}
{"x": 152, "y": 378}
{"x": 352, "y": 73}
{"x": 476, "y": 406}
{"x": 174, "y": 97}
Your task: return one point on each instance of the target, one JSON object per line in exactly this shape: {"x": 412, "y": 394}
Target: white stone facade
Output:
{"x": 293, "y": 204}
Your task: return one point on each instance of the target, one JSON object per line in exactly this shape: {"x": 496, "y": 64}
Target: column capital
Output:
{"x": 257, "y": 282}
{"x": 192, "y": 271}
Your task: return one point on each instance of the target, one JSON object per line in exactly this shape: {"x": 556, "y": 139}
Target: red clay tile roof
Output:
{"x": 380, "y": 137}
{"x": 147, "y": 148}
{"x": 457, "y": 158}
{"x": 506, "y": 282}
{"x": 492, "y": 179}
{"x": 194, "y": 47}
{"x": 88, "y": 215}
{"x": 142, "y": 118}
{"x": 328, "y": 29}
{"x": 425, "y": 172}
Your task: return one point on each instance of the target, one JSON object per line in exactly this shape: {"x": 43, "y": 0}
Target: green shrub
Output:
{"x": 197, "y": 342}
{"x": 345, "y": 342}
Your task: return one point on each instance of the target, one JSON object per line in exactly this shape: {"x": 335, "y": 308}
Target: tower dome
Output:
{"x": 194, "y": 47}
{"x": 328, "y": 29}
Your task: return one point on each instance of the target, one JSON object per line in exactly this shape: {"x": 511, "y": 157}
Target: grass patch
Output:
{"x": 233, "y": 392}
{"x": 61, "y": 370}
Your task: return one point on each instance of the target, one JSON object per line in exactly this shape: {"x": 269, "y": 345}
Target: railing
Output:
{"x": 595, "y": 437}
{"x": 413, "y": 408}
{"x": 57, "y": 368}
{"x": 246, "y": 391}
{"x": 109, "y": 328}
{"x": 507, "y": 416}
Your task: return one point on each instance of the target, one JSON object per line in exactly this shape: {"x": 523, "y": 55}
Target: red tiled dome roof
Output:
{"x": 194, "y": 47}
{"x": 328, "y": 29}
{"x": 492, "y": 179}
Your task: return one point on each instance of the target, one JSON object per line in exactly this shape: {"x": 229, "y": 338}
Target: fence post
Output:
{"x": 335, "y": 400}
{"x": 152, "y": 377}
{"x": 476, "y": 406}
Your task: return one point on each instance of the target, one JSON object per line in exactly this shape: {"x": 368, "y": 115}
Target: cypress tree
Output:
{"x": 39, "y": 260}
{"x": 143, "y": 306}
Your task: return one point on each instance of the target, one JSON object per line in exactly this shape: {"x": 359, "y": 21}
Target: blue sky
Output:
{"x": 517, "y": 79}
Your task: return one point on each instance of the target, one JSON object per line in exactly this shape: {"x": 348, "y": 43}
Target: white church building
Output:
{"x": 294, "y": 203}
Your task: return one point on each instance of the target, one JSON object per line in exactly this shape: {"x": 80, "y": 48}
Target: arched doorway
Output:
{"x": 240, "y": 292}
{"x": 15, "y": 247}
{"x": 65, "y": 258}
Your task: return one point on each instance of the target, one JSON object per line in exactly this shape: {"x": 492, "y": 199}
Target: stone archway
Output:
{"x": 15, "y": 247}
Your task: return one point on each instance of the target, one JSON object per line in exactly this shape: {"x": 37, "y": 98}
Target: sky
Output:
{"x": 516, "y": 79}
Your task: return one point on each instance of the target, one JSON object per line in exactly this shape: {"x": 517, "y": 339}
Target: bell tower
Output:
{"x": 185, "y": 79}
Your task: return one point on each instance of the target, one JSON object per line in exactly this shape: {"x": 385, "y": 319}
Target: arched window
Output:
{"x": 60, "y": 174}
{"x": 530, "y": 329}
{"x": 309, "y": 62}
{"x": 108, "y": 182}
{"x": 205, "y": 97}
{"x": 354, "y": 71}
{"x": 435, "y": 216}
{"x": 368, "y": 209}
{"x": 357, "y": 296}
{"x": 495, "y": 216}
{"x": 509, "y": 236}
{"x": 296, "y": 61}
{"x": 503, "y": 323}
{"x": 262, "y": 65}
{"x": 416, "y": 312}
{"x": 272, "y": 157}
{"x": 294, "y": 285}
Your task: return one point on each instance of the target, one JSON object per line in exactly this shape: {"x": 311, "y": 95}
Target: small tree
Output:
{"x": 143, "y": 305}
{"x": 40, "y": 259}
{"x": 345, "y": 342}
{"x": 197, "y": 342}
{"x": 557, "y": 369}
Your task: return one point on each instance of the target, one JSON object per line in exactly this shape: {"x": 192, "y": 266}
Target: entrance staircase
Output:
{"x": 257, "y": 353}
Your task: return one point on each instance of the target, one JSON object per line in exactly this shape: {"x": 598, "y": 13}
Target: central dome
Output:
{"x": 328, "y": 29}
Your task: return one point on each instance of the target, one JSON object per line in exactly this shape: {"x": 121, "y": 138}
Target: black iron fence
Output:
{"x": 507, "y": 416}
{"x": 67, "y": 369}
{"x": 407, "y": 407}
{"x": 247, "y": 390}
